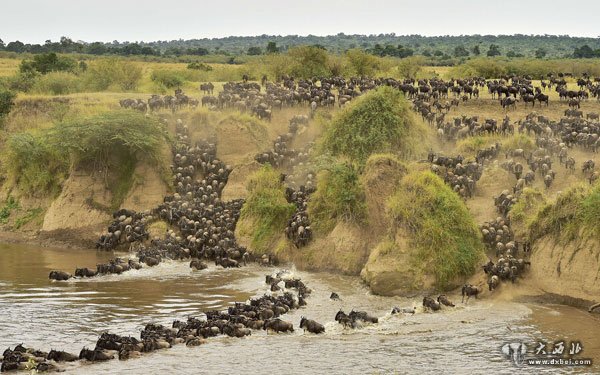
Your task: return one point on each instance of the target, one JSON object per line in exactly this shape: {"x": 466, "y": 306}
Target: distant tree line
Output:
{"x": 435, "y": 47}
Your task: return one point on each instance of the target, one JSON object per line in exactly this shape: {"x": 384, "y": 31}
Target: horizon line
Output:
{"x": 393, "y": 34}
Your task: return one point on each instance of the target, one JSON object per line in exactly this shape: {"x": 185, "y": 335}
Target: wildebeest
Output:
{"x": 85, "y": 272}
{"x": 431, "y": 304}
{"x": 444, "y": 300}
{"x": 345, "y": 320}
{"x": 59, "y": 275}
{"x": 362, "y": 315}
{"x": 403, "y": 310}
{"x": 311, "y": 326}
{"x": 469, "y": 290}
{"x": 334, "y": 296}
{"x": 61, "y": 356}
{"x": 95, "y": 355}
{"x": 493, "y": 282}
{"x": 278, "y": 325}
{"x": 198, "y": 264}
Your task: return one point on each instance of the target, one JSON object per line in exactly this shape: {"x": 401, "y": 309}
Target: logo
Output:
{"x": 515, "y": 351}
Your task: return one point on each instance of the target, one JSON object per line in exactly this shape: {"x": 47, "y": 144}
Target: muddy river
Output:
{"x": 71, "y": 315}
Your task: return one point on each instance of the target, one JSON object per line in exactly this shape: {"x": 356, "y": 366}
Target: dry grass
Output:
{"x": 9, "y": 67}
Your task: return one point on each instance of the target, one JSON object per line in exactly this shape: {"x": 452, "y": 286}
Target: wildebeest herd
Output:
{"x": 204, "y": 224}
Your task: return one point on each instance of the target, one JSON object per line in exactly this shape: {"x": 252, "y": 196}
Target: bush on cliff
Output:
{"x": 339, "y": 196}
{"x": 265, "y": 213}
{"x": 37, "y": 162}
{"x": 379, "y": 121}
{"x": 443, "y": 237}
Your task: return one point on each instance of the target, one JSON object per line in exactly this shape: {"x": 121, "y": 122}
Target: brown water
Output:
{"x": 70, "y": 315}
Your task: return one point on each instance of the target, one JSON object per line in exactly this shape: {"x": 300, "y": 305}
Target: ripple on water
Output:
{"x": 71, "y": 315}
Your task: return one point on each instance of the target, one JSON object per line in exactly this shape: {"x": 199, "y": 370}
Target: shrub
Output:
{"x": 573, "y": 214}
{"x": 96, "y": 138}
{"x": 48, "y": 62}
{"x": 523, "y": 212}
{"x": 362, "y": 63}
{"x": 7, "y": 101}
{"x": 309, "y": 61}
{"x": 379, "y": 121}
{"x": 101, "y": 74}
{"x": 444, "y": 238}
{"x": 265, "y": 213}
{"x": 168, "y": 78}
{"x": 58, "y": 83}
{"x": 113, "y": 142}
{"x": 199, "y": 66}
{"x": 34, "y": 165}
{"x": 339, "y": 196}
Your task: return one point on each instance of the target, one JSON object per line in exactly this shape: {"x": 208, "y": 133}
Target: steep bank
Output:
{"x": 91, "y": 165}
{"x": 566, "y": 244}
{"x": 571, "y": 269}
{"x": 432, "y": 242}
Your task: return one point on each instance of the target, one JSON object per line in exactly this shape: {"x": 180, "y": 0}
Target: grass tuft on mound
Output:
{"x": 444, "y": 238}
{"x": 575, "y": 212}
{"x": 266, "y": 212}
{"x": 379, "y": 121}
{"x": 37, "y": 162}
{"x": 339, "y": 196}
{"x": 524, "y": 211}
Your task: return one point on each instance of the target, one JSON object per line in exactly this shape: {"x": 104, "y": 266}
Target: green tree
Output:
{"x": 7, "y": 101}
{"x": 309, "y": 61}
{"x": 1, "y": 45}
{"x": 584, "y": 51}
{"x": 199, "y": 51}
{"x": 48, "y": 62}
{"x": 476, "y": 50}
{"x": 362, "y": 63}
{"x": 540, "y": 53}
{"x": 272, "y": 47}
{"x": 494, "y": 50}
{"x": 410, "y": 66}
{"x": 97, "y": 48}
{"x": 460, "y": 51}
{"x": 15, "y": 46}
{"x": 128, "y": 75}
{"x": 254, "y": 51}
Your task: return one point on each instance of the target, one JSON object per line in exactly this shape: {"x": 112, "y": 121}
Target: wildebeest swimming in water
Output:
{"x": 95, "y": 355}
{"x": 59, "y": 275}
{"x": 61, "y": 356}
{"x": 198, "y": 264}
{"x": 444, "y": 300}
{"x": 351, "y": 320}
{"x": 334, "y": 296}
{"x": 404, "y": 310}
{"x": 362, "y": 315}
{"x": 311, "y": 326}
{"x": 85, "y": 272}
{"x": 278, "y": 325}
{"x": 431, "y": 304}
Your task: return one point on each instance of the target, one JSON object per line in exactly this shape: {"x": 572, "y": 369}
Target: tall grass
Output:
{"x": 339, "y": 196}
{"x": 574, "y": 214}
{"x": 443, "y": 235}
{"x": 265, "y": 213}
{"x": 377, "y": 122}
{"x": 38, "y": 161}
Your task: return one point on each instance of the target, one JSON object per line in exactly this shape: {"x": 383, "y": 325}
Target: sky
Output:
{"x": 35, "y": 21}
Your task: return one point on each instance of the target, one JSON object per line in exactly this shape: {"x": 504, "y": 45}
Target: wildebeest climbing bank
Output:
{"x": 341, "y": 204}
